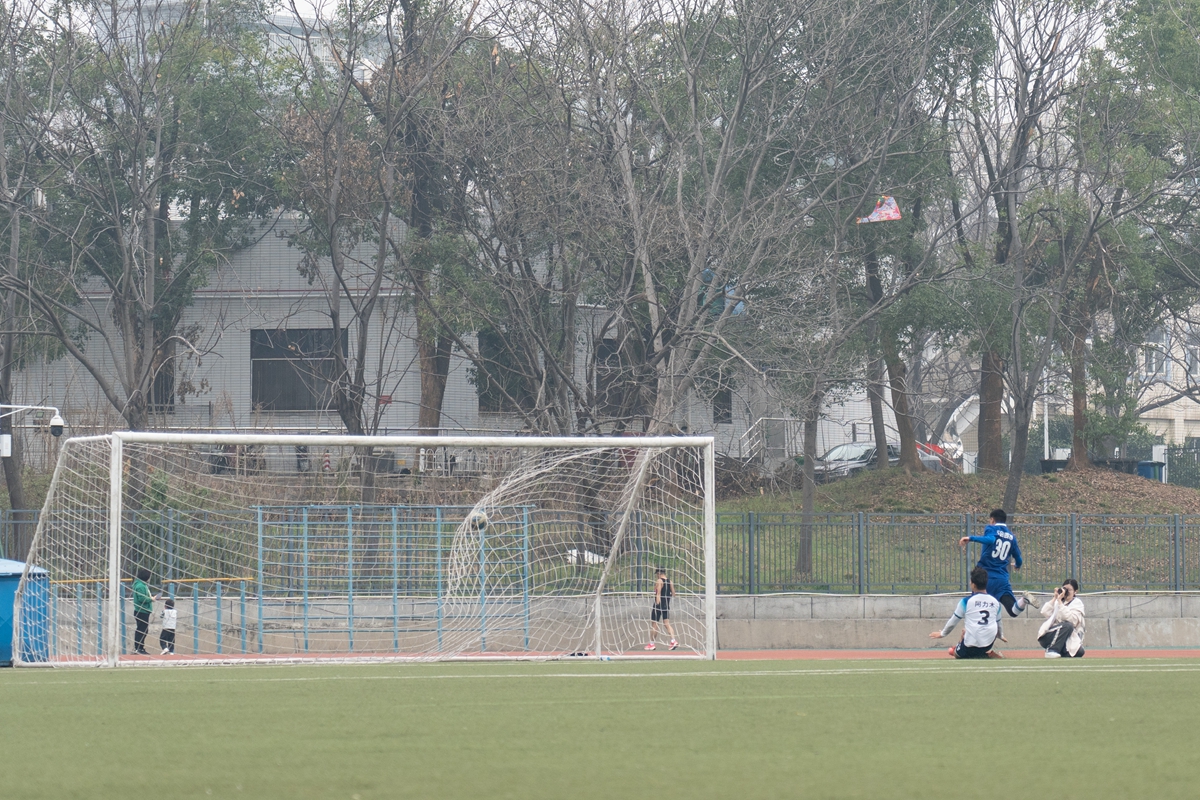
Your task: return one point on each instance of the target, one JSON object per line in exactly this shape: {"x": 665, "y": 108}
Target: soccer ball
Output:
{"x": 477, "y": 521}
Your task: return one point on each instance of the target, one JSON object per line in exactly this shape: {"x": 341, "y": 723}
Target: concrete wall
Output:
{"x": 767, "y": 622}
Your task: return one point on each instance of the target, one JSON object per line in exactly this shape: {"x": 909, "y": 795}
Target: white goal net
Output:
{"x": 310, "y": 547}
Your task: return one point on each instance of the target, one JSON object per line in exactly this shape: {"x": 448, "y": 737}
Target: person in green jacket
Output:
{"x": 143, "y": 606}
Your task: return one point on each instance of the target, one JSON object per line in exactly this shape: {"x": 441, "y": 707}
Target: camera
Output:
{"x": 56, "y": 425}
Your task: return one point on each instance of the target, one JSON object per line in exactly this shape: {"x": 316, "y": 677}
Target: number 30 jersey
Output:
{"x": 980, "y": 614}
{"x": 999, "y": 545}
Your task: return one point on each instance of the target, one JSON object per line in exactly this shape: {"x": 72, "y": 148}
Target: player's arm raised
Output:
{"x": 987, "y": 540}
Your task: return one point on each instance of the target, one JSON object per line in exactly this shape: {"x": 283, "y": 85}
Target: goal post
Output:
{"x": 312, "y": 547}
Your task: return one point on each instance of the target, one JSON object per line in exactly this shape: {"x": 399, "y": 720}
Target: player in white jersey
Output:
{"x": 980, "y": 613}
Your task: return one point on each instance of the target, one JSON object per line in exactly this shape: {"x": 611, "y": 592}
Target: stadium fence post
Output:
{"x": 195, "y": 618}
{"x": 437, "y": 515}
{"x": 525, "y": 572}
{"x": 350, "y": 575}
{"x": 710, "y": 550}
{"x": 304, "y": 540}
{"x": 242, "y": 609}
{"x": 1072, "y": 545}
{"x": 79, "y": 617}
{"x": 219, "y": 603}
{"x": 964, "y": 563}
{"x": 395, "y": 584}
{"x": 114, "y": 549}
{"x": 54, "y": 623}
{"x": 1176, "y": 549}
{"x": 860, "y": 550}
{"x": 752, "y": 562}
{"x": 483, "y": 589}
{"x": 260, "y": 578}
{"x": 123, "y": 617}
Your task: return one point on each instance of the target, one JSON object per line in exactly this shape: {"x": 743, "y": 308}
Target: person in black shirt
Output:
{"x": 661, "y": 610}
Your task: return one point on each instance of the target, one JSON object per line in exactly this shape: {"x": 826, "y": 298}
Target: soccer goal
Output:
{"x": 312, "y": 547}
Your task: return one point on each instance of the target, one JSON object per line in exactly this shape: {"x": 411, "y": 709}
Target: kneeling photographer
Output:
{"x": 1062, "y": 632}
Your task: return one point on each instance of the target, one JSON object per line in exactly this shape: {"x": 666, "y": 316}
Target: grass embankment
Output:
{"x": 619, "y": 729}
{"x": 894, "y": 491}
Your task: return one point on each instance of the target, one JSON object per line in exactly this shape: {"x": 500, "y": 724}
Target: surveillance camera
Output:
{"x": 56, "y": 425}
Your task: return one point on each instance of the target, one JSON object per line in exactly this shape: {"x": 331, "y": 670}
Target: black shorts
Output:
{"x": 659, "y": 613}
{"x": 966, "y": 651}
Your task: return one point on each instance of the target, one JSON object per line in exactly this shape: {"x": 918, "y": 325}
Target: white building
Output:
{"x": 258, "y": 327}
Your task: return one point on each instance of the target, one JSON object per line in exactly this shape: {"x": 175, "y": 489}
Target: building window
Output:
{"x": 612, "y": 380}
{"x": 162, "y": 391}
{"x": 294, "y": 370}
{"x": 501, "y": 385}
{"x": 1154, "y": 355}
{"x": 723, "y": 407}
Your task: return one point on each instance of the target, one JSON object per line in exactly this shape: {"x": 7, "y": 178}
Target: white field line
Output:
{"x": 990, "y": 668}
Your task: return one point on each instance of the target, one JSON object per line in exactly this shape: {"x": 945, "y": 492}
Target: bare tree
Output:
{"x": 148, "y": 174}
{"x": 1044, "y": 141}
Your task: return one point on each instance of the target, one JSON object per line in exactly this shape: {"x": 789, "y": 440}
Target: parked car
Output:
{"x": 852, "y": 458}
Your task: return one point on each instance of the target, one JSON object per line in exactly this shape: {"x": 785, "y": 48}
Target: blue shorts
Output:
{"x": 998, "y": 586}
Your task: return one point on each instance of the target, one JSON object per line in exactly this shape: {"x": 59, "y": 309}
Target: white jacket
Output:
{"x": 1055, "y": 610}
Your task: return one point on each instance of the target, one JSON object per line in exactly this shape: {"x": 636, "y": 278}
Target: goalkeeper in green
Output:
{"x": 143, "y": 606}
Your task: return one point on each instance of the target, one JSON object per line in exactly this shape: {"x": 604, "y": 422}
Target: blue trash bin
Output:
{"x": 1151, "y": 470}
{"x": 35, "y": 612}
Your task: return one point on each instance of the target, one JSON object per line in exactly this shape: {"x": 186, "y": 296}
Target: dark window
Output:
{"x": 723, "y": 407}
{"x": 162, "y": 391}
{"x": 500, "y": 384}
{"x": 294, "y": 370}
{"x": 611, "y": 383}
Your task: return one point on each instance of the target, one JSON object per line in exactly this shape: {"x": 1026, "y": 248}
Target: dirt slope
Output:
{"x": 1092, "y": 492}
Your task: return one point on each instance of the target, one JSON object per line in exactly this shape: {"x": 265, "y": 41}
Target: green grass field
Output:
{"x": 917, "y": 729}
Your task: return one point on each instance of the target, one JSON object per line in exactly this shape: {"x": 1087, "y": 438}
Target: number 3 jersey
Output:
{"x": 980, "y": 614}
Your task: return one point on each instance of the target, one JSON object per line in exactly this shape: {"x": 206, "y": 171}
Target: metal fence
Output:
{"x": 869, "y": 553}
{"x": 16, "y": 532}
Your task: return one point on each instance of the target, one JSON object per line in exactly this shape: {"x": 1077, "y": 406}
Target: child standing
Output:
{"x": 166, "y": 639}
{"x": 661, "y": 610}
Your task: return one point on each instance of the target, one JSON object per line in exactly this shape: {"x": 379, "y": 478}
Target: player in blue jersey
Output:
{"x": 980, "y": 615}
{"x": 999, "y": 545}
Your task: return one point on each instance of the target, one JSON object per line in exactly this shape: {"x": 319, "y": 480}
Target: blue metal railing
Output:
{"x": 401, "y": 552}
{"x": 864, "y": 552}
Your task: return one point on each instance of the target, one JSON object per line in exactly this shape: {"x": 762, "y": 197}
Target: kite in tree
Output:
{"x": 885, "y": 211}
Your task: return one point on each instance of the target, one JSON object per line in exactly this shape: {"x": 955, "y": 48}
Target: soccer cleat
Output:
{"x": 995, "y": 654}
{"x": 1053, "y": 654}
{"x": 650, "y": 647}
{"x": 674, "y": 644}
{"x": 950, "y": 652}
{"x": 1030, "y": 600}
